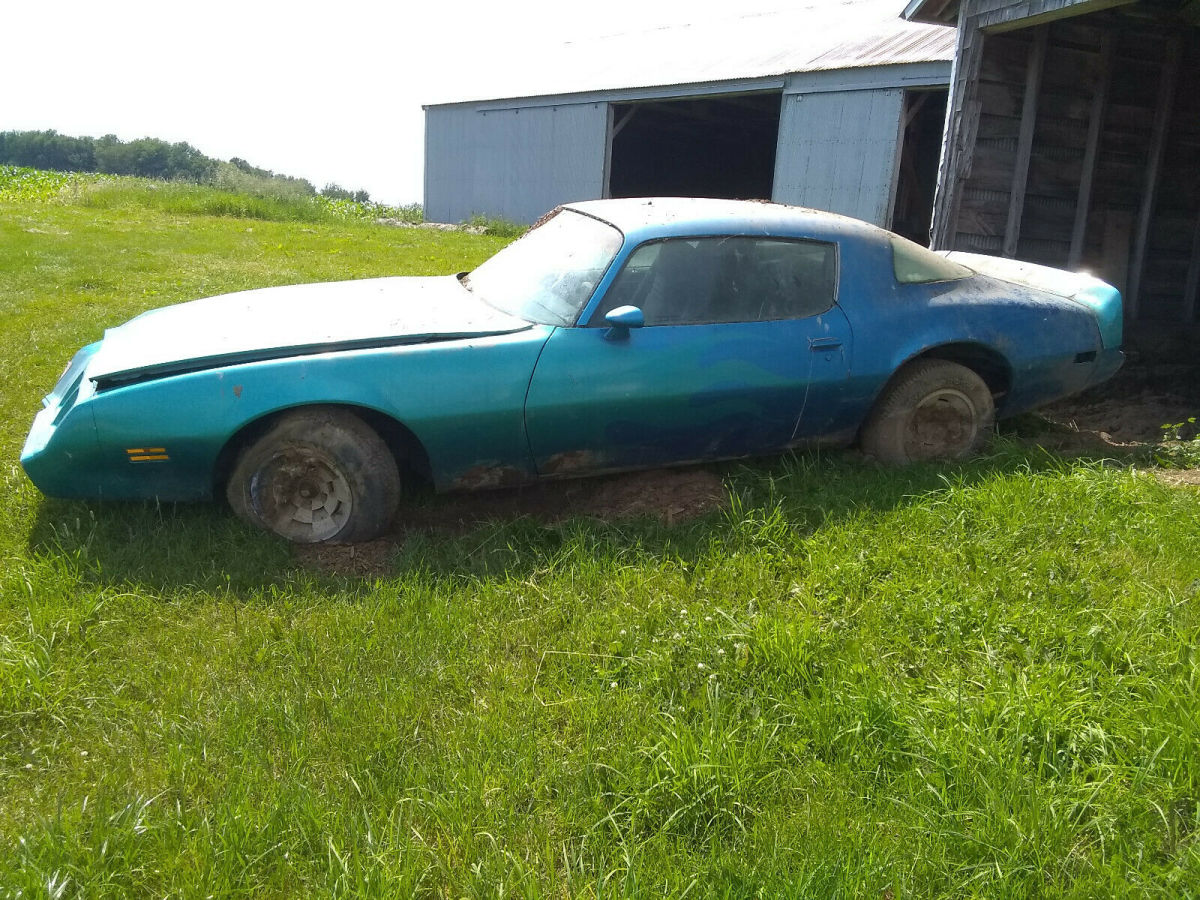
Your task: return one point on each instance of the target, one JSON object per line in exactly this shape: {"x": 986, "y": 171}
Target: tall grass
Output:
{"x": 229, "y": 177}
{"x": 497, "y": 226}
{"x": 236, "y": 194}
{"x": 181, "y": 198}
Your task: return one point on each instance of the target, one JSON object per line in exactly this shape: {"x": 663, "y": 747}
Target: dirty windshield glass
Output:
{"x": 549, "y": 274}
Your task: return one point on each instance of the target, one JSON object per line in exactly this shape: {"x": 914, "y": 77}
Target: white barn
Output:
{"x": 838, "y": 105}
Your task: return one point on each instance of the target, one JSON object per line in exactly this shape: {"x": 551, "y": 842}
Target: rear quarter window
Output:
{"x": 914, "y": 264}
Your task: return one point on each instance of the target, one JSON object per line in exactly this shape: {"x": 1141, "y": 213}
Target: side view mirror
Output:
{"x": 621, "y": 319}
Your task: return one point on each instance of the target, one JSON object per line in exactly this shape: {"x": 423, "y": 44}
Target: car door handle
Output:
{"x": 825, "y": 343}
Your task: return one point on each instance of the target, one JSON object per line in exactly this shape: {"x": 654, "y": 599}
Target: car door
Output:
{"x": 743, "y": 351}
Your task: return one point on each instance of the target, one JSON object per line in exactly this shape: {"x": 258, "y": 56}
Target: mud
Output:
{"x": 1178, "y": 477}
{"x": 365, "y": 560}
{"x": 1131, "y": 410}
{"x": 671, "y": 496}
{"x": 1125, "y": 421}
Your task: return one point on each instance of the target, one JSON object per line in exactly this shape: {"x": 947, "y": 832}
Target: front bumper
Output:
{"x": 60, "y": 453}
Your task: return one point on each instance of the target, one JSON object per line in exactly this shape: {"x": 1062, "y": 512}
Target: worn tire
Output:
{"x": 317, "y": 474}
{"x": 932, "y": 409}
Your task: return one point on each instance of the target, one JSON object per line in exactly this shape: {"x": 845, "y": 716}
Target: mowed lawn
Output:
{"x": 943, "y": 681}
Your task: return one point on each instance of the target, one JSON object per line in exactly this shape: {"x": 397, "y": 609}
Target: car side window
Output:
{"x": 693, "y": 281}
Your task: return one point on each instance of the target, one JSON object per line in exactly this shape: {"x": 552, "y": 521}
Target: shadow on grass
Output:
{"x": 505, "y": 534}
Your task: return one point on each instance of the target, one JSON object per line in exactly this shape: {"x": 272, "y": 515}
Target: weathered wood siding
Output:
{"x": 514, "y": 163}
{"x": 1001, "y": 13}
{"x": 1074, "y": 143}
{"x": 998, "y": 15}
{"x": 962, "y": 121}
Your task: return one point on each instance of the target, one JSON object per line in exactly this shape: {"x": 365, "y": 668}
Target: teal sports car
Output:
{"x": 616, "y": 335}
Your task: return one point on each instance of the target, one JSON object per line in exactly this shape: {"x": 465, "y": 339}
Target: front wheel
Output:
{"x": 932, "y": 409}
{"x": 319, "y": 474}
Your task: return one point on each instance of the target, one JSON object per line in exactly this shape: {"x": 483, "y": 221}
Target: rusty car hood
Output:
{"x": 277, "y": 322}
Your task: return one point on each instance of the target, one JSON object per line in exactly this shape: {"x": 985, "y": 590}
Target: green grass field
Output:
{"x": 944, "y": 681}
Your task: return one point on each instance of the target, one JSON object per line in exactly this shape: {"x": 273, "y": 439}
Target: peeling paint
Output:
{"x": 571, "y": 462}
{"x": 486, "y": 476}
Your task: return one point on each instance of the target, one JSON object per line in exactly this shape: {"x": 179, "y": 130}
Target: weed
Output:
{"x": 1175, "y": 431}
{"x": 498, "y": 227}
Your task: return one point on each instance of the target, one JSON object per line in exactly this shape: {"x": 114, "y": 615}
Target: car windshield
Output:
{"x": 548, "y": 275}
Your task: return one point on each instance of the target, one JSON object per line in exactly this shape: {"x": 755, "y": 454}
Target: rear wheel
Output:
{"x": 319, "y": 474}
{"x": 932, "y": 409}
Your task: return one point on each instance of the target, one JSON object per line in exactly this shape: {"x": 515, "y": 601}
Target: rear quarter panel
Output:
{"x": 1038, "y": 334}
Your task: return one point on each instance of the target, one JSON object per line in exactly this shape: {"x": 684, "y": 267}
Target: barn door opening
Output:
{"x": 920, "y": 149}
{"x": 708, "y": 147}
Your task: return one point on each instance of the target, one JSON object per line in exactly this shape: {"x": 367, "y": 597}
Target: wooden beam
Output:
{"x": 1030, "y": 13}
{"x": 912, "y": 106}
{"x": 624, "y": 120}
{"x": 608, "y": 145}
{"x": 962, "y": 124}
{"x": 1118, "y": 226}
{"x": 1190, "y": 306}
{"x": 1033, "y": 86}
{"x": 1158, "y": 143}
{"x": 972, "y": 112}
{"x": 1083, "y": 204}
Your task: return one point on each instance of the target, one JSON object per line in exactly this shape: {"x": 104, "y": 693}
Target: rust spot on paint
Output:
{"x": 570, "y": 462}
{"x": 237, "y": 390}
{"x": 482, "y": 477}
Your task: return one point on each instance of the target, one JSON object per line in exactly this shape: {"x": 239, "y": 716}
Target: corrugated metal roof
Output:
{"x": 814, "y": 36}
{"x": 920, "y": 45}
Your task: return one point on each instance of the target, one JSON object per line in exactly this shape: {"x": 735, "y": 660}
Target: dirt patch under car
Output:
{"x": 1144, "y": 404}
{"x": 1124, "y": 421}
{"x": 671, "y": 496}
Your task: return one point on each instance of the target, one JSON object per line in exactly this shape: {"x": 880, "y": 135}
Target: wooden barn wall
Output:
{"x": 1075, "y": 144}
{"x": 1000, "y": 14}
{"x": 839, "y": 150}
{"x": 514, "y": 163}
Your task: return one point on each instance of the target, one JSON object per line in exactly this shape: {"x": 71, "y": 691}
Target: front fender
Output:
{"x": 464, "y": 400}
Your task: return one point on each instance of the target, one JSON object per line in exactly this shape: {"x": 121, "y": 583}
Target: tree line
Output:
{"x": 146, "y": 157}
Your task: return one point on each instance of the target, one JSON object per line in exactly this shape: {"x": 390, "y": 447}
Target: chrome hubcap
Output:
{"x": 303, "y": 496}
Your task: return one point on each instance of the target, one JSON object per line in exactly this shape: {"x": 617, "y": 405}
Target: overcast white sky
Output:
{"x": 328, "y": 91}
